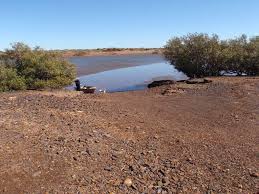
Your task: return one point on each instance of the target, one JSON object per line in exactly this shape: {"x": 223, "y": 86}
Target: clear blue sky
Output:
{"x": 63, "y": 24}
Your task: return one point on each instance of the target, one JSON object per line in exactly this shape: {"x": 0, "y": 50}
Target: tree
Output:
{"x": 199, "y": 55}
{"x": 196, "y": 55}
{"x": 236, "y": 55}
{"x": 252, "y": 66}
{"x": 9, "y": 80}
{"x": 39, "y": 68}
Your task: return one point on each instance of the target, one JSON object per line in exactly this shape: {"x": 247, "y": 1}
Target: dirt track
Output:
{"x": 190, "y": 139}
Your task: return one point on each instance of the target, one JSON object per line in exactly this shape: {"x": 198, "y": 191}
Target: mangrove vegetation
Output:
{"x": 199, "y": 55}
{"x": 22, "y": 67}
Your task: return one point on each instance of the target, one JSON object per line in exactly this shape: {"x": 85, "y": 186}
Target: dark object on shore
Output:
{"x": 85, "y": 89}
{"x": 160, "y": 83}
{"x": 198, "y": 81}
{"x": 88, "y": 89}
{"x": 78, "y": 85}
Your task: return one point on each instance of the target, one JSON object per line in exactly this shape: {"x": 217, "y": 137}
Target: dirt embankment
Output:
{"x": 173, "y": 139}
{"x": 110, "y": 52}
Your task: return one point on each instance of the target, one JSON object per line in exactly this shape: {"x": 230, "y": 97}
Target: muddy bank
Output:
{"x": 180, "y": 138}
{"x": 110, "y": 52}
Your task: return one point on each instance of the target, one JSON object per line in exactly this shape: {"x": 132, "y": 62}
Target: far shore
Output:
{"x": 109, "y": 52}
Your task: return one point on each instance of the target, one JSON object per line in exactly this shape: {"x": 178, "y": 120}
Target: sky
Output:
{"x": 82, "y": 24}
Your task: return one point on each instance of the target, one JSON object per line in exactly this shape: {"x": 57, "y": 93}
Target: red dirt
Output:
{"x": 172, "y": 139}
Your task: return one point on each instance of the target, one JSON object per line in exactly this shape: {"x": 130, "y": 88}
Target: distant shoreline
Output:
{"x": 99, "y": 63}
{"x": 109, "y": 52}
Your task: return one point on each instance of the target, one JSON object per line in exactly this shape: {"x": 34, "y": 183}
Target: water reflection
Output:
{"x": 131, "y": 78}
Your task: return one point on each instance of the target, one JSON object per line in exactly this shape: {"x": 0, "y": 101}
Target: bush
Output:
{"x": 251, "y": 65}
{"x": 199, "y": 55}
{"x": 9, "y": 80}
{"x": 236, "y": 55}
{"x": 40, "y": 69}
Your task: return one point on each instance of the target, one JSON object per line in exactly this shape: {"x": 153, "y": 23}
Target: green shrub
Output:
{"x": 199, "y": 55}
{"x": 252, "y": 65}
{"x": 9, "y": 80}
{"x": 196, "y": 55}
{"x": 40, "y": 69}
{"x": 236, "y": 55}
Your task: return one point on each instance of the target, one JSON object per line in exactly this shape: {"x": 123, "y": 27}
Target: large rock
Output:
{"x": 160, "y": 83}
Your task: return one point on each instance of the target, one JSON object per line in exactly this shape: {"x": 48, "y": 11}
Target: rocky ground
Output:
{"x": 181, "y": 138}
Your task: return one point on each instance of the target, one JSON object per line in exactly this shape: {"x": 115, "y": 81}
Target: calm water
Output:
{"x": 95, "y": 64}
{"x": 128, "y": 72}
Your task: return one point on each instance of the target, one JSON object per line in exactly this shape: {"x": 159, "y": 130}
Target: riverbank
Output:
{"x": 178, "y": 138}
{"x": 109, "y": 52}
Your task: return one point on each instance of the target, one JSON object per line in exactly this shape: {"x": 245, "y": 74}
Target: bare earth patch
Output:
{"x": 172, "y": 139}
